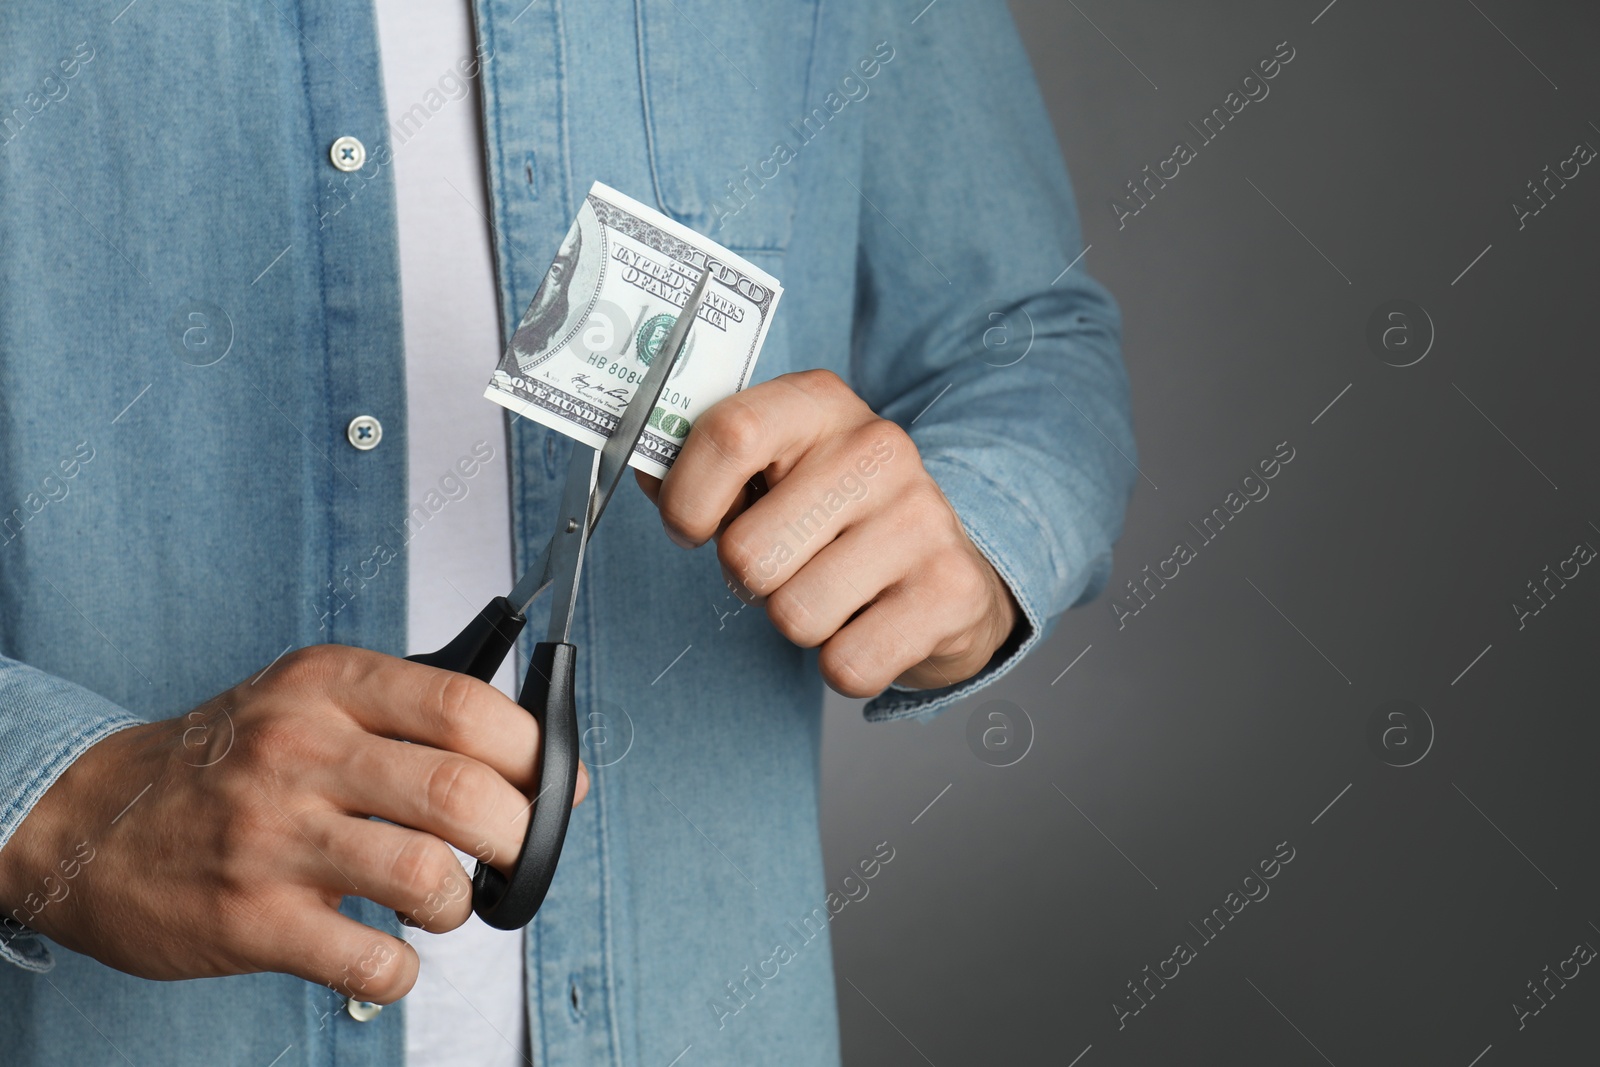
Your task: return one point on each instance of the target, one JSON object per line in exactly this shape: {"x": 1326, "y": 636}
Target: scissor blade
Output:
{"x": 618, "y": 448}
{"x": 614, "y": 456}
{"x": 532, "y": 582}
{"x": 565, "y": 554}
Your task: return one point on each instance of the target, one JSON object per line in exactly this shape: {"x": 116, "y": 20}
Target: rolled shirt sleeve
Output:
{"x": 1003, "y": 365}
{"x": 45, "y": 724}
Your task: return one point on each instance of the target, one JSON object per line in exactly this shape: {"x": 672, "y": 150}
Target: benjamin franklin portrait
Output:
{"x": 566, "y": 294}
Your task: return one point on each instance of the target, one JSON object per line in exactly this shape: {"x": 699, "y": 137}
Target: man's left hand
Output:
{"x": 844, "y": 535}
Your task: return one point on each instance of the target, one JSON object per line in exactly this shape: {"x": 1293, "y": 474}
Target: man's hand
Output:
{"x": 849, "y": 541}
{"x": 221, "y": 842}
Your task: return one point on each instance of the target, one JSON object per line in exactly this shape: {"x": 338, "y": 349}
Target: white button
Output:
{"x": 364, "y": 432}
{"x": 348, "y": 153}
{"x": 362, "y": 1011}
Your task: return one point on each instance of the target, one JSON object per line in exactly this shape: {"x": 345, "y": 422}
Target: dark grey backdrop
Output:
{"x": 1226, "y": 717}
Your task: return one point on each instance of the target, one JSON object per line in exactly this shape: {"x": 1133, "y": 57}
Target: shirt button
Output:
{"x": 364, "y": 432}
{"x": 348, "y": 153}
{"x": 362, "y": 1011}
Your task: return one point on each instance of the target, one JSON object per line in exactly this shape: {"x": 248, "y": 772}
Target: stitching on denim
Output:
{"x": 506, "y": 267}
{"x": 641, "y": 46}
{"x": 533, "y": 944}
{"x": 603, "y": 845}
{"x": 813, "y": 59}
{"x": 805, "y": 97}
{"x": 322, "y": 291}
{"x": 561, "y": 109}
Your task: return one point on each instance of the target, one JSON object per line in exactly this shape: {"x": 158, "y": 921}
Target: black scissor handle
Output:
{"x": 479, "y": 649}
{"x": 509, "y": 904}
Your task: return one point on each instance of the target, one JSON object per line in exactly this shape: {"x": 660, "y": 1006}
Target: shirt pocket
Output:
{"x": 723, "y": 83}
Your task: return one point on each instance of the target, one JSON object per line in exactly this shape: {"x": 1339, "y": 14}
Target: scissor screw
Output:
{"x": 572, "y": 526}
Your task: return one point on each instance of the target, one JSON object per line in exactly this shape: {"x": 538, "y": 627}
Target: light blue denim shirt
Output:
{"x": 171, "y": 521}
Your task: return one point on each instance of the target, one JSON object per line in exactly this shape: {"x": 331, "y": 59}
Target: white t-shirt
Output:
{"x": 467, "y": 1009}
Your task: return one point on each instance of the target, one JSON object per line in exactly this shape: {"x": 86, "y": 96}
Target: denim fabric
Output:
{"x": 171, "y": 521}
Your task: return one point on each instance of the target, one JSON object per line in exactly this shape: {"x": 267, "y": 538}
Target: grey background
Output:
{"x": 1212, "y": 727}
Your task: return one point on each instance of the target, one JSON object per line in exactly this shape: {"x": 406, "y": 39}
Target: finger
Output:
{"x": 450, "y": 796}
{"x": 460, "y": 714}
{"x": 767, "y": 427}
{"x": 650, "y": 484}
{"x": 833, "y": 487}
{"x": 850, "y": 572}
{"x": 897, "y": 631}
{"x": 414, "y": 873}
{"x": 753, "y": 490}
{"x": 408, "y": 701}
{"x": 322, "y": 946}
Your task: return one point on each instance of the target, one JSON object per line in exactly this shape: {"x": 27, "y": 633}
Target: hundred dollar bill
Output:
{"x": 617, "y": 285}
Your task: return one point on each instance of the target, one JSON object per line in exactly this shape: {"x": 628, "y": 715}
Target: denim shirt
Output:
{"x": 195, "y": 303}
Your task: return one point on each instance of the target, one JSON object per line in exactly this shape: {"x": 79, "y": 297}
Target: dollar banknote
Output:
{"x": 617, "y": 285}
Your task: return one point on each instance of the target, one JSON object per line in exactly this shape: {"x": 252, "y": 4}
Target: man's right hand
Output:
{"x": 221, "y": 842}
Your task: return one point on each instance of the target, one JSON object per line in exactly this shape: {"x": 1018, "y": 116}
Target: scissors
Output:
{"x": 547, "y": 692}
